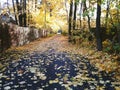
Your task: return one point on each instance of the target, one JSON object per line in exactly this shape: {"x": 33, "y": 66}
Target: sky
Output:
{"x": 3, "y": 1}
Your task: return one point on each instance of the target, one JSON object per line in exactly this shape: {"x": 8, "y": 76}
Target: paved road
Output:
{"x": 50, "y": 69}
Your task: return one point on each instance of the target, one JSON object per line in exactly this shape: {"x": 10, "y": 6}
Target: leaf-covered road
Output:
{"x": 49, "y": 67}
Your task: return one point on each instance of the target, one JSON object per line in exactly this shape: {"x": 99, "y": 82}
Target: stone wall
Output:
{"x": 13, "y": 35}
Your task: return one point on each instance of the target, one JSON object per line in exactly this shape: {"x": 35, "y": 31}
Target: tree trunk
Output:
{"x": 21, "y": 2}
{"x": 70, "y": 20}
{"x": 19, "y": 10}
{"x": 66, "y": 11}
{"x": 85, "y": 10}
{"x": 45, "y": 8}
{"x": 107, "y": 12}
{"x": 74, "y": 18}
{"x": 28, "y": 13}
{"x": 24, "y": 15}
{"x": 8, "y": 7}
{"x": 89, "y": 26}
{"x": 15, "y": 12}
{"x": 35, "y": 5}
{"x": 81, "y": 14}
{"x": 98, "y": 30}
{"x": 32, "y": 3}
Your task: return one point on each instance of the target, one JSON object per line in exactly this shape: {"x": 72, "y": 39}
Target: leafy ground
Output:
{"x": 100, "y": 70}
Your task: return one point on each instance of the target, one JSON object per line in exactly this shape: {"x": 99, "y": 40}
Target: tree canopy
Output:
{"x": 100, "y": 17}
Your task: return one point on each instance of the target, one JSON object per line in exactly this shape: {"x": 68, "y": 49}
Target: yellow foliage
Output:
{"x": 43, "y": 18}
{"x": 106, "y": 43}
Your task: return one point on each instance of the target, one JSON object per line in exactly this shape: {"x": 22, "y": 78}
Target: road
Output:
{"x": 48, "y": 66}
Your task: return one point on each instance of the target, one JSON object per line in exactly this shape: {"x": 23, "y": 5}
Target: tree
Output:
{"x": 70, "y": 20}
{"x": 8, "y": 7}
{"x": 19, "y": 10}
{"x": 45, "y": 8}
{"x": 28, "y": 12}
{"x": 89, "y": 26}
{"x": 98, "y": 26}
{"x": 65, "y": 1}
{"x": 14, "y": 12}
{"x": 74, "y": 18}
{"x": 24, "y": 13}
{"x": 86, "y": 13}
{"x": 107, "y": 13}
{"x": 35, "y": 5}
{"x": 81, "y": 5}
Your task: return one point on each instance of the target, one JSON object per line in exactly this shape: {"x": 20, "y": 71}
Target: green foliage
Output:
{"x": 77, "y": 1}
{"x": 116, "y": 47}
{"x": 109, "y": 47}
{"x": 50, "y": 35}
{"x": 83, "y": 0}
{"x": 85, "y": 13}
{"x": 80, "y": 35}
{"x": 118, "y": 6}
{"x": 65, "y": 33}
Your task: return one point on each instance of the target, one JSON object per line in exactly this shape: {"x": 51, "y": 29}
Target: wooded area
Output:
{"x": 106, "y": 24}
{"x": 100, "y": 18}
{"x": 60, "y": 44}
{"x": 103, "y": 24}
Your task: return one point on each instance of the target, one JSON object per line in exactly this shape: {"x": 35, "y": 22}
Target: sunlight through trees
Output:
{"x": 100, "y": 18}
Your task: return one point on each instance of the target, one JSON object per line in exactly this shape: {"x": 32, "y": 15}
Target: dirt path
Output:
{"x": 55, "y": 42}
